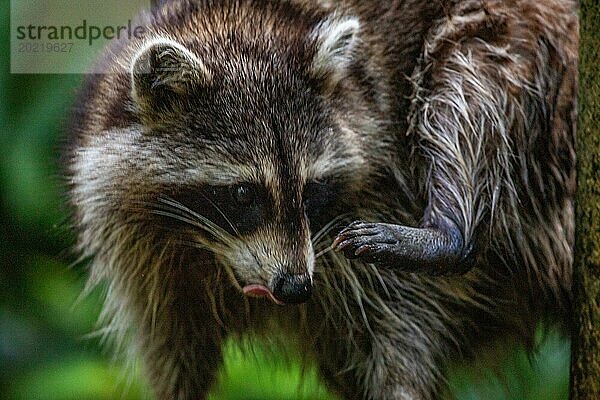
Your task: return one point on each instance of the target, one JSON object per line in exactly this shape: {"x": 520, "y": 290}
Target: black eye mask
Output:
{"x": 238, "y": 209}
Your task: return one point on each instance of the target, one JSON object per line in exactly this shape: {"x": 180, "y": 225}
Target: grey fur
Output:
{"x": 425, "y": 115}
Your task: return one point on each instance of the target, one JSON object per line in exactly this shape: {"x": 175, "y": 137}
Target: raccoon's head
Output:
{"x": 244, "y": 145}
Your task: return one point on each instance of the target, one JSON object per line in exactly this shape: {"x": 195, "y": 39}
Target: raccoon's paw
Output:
{"x": 432, "y": 250}
{"x": 371, "y": 242}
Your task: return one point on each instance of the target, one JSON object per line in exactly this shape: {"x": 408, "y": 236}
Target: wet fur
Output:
{"x": 467, "y": 113}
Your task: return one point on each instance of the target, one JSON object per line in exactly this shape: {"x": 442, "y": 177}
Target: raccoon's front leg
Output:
{"x": 478, "y": 91}
{"x": 182, "y": 335}
{"x": 182, "y": 368}
{"x": 423, "y": 249}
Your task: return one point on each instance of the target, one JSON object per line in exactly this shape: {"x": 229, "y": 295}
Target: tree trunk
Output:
{"x": 585, "y": 349}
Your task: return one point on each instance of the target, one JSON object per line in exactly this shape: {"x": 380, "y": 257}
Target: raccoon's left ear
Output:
{"x": 163, "y": 70}
{"x": 335, "y": 38}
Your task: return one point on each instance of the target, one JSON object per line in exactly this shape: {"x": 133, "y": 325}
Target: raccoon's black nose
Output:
{"x": 293, "y": 289}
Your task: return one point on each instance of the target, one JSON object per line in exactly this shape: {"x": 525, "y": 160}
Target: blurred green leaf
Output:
{"x": 29, "y": 170}
{"x": 55, "y": 289}
{"x": 75, "y": 379}
{"x": 515, "y": 375}
{"x": 257, "y": 375}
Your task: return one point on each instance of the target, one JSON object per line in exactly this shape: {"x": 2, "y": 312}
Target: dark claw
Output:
{"x": 342, "y": 245}
{"x": 364, "y": 240}
{"x": 348, "y": 237}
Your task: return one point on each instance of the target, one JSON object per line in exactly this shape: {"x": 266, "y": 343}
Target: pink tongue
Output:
{"x": 260, "y": 291}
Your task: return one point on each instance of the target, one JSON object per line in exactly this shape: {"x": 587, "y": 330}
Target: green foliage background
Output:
{"x": 46, "y": 350}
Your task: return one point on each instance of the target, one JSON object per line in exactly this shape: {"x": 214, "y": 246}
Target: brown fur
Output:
{"x": 449, "y": 112}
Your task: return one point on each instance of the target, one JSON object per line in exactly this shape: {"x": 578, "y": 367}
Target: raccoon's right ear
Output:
{"x": 163, "y": 70}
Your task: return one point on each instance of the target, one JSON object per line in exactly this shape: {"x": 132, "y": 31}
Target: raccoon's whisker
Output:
{"x": 206, "y": 223}
{"x": 324, "y": 251}
{"x": 174, "y": 205}
{"x": 321, "y": 234}
{"x": 191, "y": 222}
{"x": 203, "y": 246}
{"x": 375, "y": 271}
{"x": 317, "y": 236}
{"x": 219, "y": 235}
{"x": 231, "y": 276}
{"x": 176, "y": 217}
{"x": 222, "y": 213}
{"x": 226, "y": 237}
{"x": 200, "y": 217}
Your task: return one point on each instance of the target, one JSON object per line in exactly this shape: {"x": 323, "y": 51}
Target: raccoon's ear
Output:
{"x": 164, "y": 69}
{"x": 335, "y": 39}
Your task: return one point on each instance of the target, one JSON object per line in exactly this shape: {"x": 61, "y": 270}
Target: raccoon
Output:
{"x": 386, "y": 184}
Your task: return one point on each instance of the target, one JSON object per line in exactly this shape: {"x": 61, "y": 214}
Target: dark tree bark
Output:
{"x": 585, "y": 350}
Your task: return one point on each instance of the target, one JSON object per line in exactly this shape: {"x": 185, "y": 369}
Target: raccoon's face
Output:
{"x": 249, "y": 159}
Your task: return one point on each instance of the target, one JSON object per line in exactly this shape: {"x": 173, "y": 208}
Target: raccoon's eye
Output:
{"x": 243, "y": 194}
